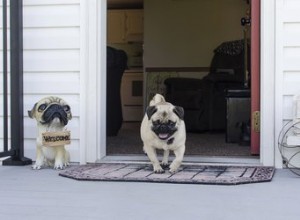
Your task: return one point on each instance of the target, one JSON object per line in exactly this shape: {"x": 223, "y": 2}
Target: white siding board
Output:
{"x": 46, "y": 2}
{"x": 51, "y": 60}
{"x": 55, "y": 83}
{"x": 291, "y": 88}
{"x": 51, "y": 38}
{"x": 291, "y": 76}
{"x": 50, "y": 2}
{"x": 291, "y": 57}
{"x": 291, "y": 82}
{"x": 60, "y": 60}
{"x": 287, "y": 107}
{"x": 43, "y": 16}
{"x": 288, "y": 56}
{"x": 290, "y": 11}
{"x": 51, "y": 63}
{"x": 291, "y": 15}
{"x": 291, "y": 34}
{"x": 51, "y": 16}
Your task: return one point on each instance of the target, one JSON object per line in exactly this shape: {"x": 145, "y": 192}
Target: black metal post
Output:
{"x": 16, "y": 83}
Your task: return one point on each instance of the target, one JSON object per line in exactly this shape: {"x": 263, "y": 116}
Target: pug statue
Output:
{"x": 163, "y": 128}
{"x": 52, "y": 115}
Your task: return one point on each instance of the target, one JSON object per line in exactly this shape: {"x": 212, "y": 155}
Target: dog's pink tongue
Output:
{"x": 163, "y": 136}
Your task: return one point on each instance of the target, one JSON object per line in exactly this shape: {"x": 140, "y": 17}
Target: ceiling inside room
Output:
{"x": 122, "y": 4}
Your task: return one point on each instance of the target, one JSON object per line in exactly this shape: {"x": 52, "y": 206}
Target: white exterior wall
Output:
{"x": 287, "y": 78}
{"x": 51, "y": 62}
{"x": 65, "y": 56}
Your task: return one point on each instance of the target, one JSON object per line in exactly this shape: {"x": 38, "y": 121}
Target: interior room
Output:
{"x": 194, "y": 52}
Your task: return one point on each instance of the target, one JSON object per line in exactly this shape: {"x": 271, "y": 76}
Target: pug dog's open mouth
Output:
{"x": 163, "y": 136}
{"x": 164, "y": 130}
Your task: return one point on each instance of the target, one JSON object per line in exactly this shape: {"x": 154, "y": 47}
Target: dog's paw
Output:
{"x": 36, "y": 167}
{"x": 59, "y": 167}
{"x": 173, "y": 168}
{"x": 158, "y": 170}
{"x": 164, "y": 165}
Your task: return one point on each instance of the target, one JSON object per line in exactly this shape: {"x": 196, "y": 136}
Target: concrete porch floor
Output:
{"x": 28, "y": 194}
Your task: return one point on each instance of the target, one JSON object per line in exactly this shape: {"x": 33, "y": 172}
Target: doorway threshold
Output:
{"x": 209, "y": 160}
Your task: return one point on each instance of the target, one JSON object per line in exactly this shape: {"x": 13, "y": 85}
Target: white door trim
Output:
{"x": 278, "y": 78}
{"x": 93, "y": 89}
{"x": 92, "y": 80}
{"x": 267, "y": 84}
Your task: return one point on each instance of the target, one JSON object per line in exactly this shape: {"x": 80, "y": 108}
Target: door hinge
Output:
{"x": 256, "y": 121}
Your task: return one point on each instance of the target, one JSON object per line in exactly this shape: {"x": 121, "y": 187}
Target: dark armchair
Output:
{"x": 204, "y": 99}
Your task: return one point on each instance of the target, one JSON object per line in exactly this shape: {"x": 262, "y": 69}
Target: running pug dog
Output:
{"x": 52, "y": 114}
{"x": 163, "y": 128}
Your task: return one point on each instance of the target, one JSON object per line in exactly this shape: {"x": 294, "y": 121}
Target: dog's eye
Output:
{"x": 155, "y": 122}
{"x": 42, "y": 107}
{"x": 172, "y": 123}
{"x": 66, "y": 108}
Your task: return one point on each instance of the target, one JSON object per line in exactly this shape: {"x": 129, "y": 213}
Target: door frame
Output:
{"x": 93, "y": 82}
{"x": 255, "y": 74}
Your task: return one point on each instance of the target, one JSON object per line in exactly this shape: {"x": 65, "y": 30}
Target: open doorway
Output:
{"x": 176, "y": 54}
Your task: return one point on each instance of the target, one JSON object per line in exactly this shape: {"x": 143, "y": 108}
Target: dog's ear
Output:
{"x": 179, "y": 111}
{"x": 150, "y": 111}
{"x": 31, "y": 113}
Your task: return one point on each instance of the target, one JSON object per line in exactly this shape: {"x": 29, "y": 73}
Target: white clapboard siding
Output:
{"x": 290, "y": 36}
{"x": 50, "y": 2}
{"x": 51, "y": 16}
{"x": 51, "y": 60}
{"x": 289, "y": 53}
{"x": 64, "y": 38}
{"x": 51, "y": 42}
{"x": 54, "y": 83}
{"x": 66, "y": 58}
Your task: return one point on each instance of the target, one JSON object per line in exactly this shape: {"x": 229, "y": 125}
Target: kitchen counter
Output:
{"x": 134, "y": 70}
{"x": 176, "y": 69}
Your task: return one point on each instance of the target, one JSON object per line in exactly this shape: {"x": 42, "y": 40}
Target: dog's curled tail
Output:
{"x": 157, "y": 99}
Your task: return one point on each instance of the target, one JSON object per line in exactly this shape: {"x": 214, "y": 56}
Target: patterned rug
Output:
{"x": 187, "y": 174}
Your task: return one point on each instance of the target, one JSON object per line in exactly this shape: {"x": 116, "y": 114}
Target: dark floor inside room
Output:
{"x": 128, "y": 142}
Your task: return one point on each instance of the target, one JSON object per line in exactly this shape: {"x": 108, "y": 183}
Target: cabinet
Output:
{"x": 238, "y": 112}
{"x": 132, "y": 96}
{"x": 125, "y": 26}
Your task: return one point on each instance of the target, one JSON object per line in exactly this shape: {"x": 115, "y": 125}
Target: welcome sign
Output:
{"x": 51, "y": 139}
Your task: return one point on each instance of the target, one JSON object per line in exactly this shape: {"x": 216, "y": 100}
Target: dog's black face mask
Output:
{"x": 164, "y": 130}
{"x": 56, "y": 111}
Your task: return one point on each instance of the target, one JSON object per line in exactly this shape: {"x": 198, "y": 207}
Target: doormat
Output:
{"x": 187, "y": 174}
